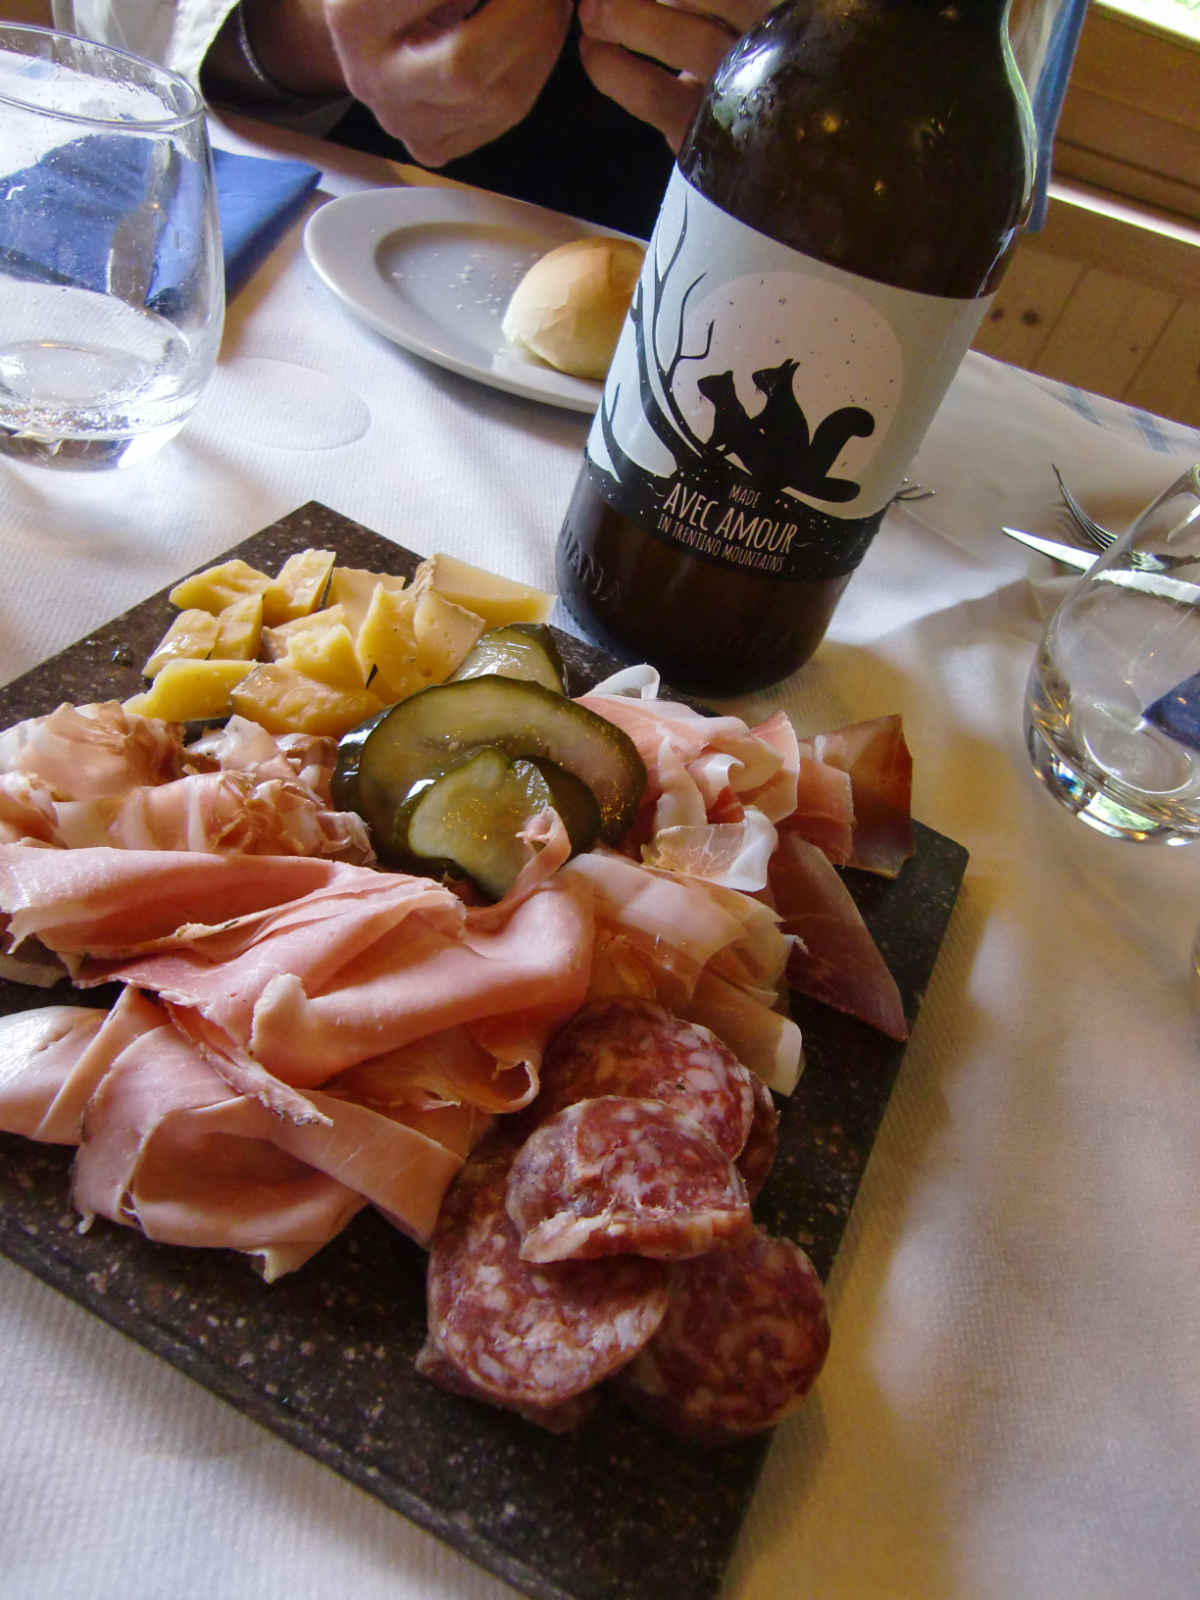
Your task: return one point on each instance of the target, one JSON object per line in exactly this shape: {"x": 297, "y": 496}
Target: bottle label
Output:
{"x": 762, "y": 407}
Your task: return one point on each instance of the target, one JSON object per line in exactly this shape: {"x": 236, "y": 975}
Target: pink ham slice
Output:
{"x": 39, "y": 1053}
{"x": 169, "y": 1151}
{"x": 166, "y": 1147}
{"x": 310, "y": 996}
{"x": 107, "y": 902}
{"x": 310, "y": 966}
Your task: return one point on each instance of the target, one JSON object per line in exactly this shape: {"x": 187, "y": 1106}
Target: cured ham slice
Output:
{"x": 733, "y": 854}
{"x": 216, "y": 811}
{"x": 824, "y": 813}
{"x": 98, "y": 775}
{"x": 712, "y": 955}
{"x": 27, "y": 809}
{"x": 877, "y": 761}
{"x": 244, "y": 746}
{"x": 84, "y": 752}
{"x": 835, "y": 959}
{"x": 698, "y": 767}
{"x": 760, "y": 1034}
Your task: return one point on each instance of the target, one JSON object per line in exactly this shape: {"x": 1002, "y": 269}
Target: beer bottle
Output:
{"x": 841, "y": 209}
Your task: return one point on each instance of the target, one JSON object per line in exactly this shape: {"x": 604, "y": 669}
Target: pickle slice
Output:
{"x": 518, "y": 650}
{"x": 467, "y": 821}
{"x": 380, "y": 762}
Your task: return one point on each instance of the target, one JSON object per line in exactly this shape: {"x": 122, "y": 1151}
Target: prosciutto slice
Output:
{"x": 98, "y": 775}
{"x": 84, "y": 752}
{"x": 877, "y": 762}
{"x": 712, "y": 955}
{"x": 834, "y": 959}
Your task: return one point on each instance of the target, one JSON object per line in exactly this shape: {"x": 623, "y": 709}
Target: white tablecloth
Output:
{"x": 1012, "y": 1403}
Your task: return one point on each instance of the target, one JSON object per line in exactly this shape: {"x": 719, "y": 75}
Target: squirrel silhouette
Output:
{"x": 774, "y": 444}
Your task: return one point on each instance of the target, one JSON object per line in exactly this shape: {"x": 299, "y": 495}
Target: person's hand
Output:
{"x": 685, "y": 44}
{"x": 443, "y": 77}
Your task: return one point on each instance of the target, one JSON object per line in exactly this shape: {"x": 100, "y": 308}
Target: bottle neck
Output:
{"x": 891, "y": 138}
{"x": 986, "y": 12}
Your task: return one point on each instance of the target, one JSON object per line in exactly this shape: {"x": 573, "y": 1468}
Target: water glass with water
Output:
{"x": 1112, "y": 709}
{"x": 111, "y": 277}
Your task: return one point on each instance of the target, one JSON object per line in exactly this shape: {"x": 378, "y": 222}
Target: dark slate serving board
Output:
{"x": 324, "y": 1357}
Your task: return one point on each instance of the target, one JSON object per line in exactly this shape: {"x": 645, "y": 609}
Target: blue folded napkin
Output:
{"x": 1177, "y": 712}
{"x": 256, "y": 199}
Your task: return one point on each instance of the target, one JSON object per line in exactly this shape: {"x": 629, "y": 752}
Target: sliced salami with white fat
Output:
{"x": 522, "y": 1334}
{"x": 757, "y": 1155}
{"x": 744, "y": 1337}
{"x": 562, "y": 1418}
{"x": 636, "y": 1047}
{"x": 612, "y": 1175}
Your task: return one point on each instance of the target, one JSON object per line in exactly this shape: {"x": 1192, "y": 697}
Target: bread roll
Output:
{"x": 568, "y": 308}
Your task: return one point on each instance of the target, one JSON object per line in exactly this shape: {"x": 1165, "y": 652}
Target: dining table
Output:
{"x": 1010, "y": 1408}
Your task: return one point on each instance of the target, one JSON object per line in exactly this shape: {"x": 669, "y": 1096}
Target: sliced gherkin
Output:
{"x": 380, "y": 762}
{"x": 518, "y": 650}
{"x": 468, "y": 822}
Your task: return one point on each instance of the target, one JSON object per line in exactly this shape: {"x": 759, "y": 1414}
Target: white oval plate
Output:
{"x": 433, "y": 269}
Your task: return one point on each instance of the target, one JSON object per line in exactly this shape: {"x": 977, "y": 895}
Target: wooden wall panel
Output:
{"x": 1168, "y": 382}
{"x": 1106, "y": 331}
{"x": 1107, "y": 297}
{"x": 1032, "y": 296}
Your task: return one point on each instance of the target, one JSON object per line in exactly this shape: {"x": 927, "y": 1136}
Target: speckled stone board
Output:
{"x": 324, "y": 1357}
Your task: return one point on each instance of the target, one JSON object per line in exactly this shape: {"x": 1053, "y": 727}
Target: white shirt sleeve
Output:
{"x": 175, "y": 33}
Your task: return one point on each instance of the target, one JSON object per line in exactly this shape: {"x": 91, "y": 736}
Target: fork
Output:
{"x": 1096, "y": 534}
{"x": 1102, "y": 538}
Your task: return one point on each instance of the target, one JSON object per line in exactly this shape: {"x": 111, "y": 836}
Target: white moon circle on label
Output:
{"x": 847, "y": 354}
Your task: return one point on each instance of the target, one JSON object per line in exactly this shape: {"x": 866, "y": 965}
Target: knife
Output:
{"x": 1166, "y": 588}
{"x": 1070, "y": 554}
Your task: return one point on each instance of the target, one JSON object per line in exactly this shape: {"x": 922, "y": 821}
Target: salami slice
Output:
{"x": 563, "y": 1418}
{"x": 744, "y": 1337}
{"x": 605, "y": 1176}
{"x": 638, "y": 1048}
{"x": 762, "y": 1142}
{"x": 522, "y": 1334}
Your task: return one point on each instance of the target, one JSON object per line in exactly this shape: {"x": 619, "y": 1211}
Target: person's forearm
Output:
{"x": 290, "y": 41}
